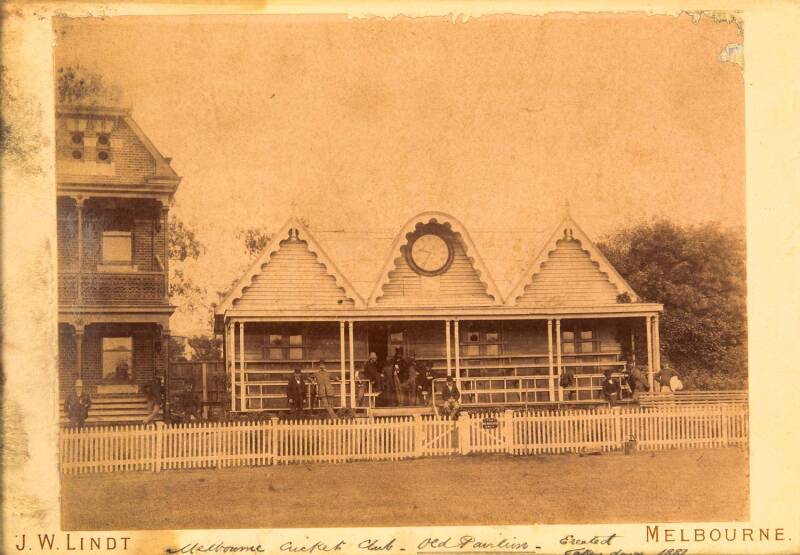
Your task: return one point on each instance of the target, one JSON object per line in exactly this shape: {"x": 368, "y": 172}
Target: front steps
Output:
{"x": 113, "y": 409}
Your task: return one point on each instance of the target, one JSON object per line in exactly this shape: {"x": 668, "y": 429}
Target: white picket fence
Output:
{"x": 272, "y": 442}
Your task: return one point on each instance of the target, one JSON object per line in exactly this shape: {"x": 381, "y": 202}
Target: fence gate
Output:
{"x": 486, "y": 433}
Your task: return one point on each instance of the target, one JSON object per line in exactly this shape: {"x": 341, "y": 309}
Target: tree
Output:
{"x": 183, "y": 245}
{"x": 205, "y": 348}
{"x": 698, "y": 273}
{"x": 255, "y": 240}
{"x": 79, "y": 85}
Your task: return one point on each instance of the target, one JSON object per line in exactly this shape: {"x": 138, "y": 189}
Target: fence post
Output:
{"x": 159, "y": 433}
{"x": 723, "y": 422}
{"x": 274, "y": 442}
{"x": 462, "y": 425}
{"x": 419, "y": 432}
{"x": 508, "y": 431}
{"x": 617, "y": 411}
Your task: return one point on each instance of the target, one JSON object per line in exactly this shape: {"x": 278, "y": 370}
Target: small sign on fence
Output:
{"x": 489, "y": 423}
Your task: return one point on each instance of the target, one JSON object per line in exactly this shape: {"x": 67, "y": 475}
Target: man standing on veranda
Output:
{"x": 325, "y": 389}
{"x": 296, "y": 392}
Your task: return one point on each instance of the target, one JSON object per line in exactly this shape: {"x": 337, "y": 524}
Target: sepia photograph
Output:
{"x": 328, "y": 272}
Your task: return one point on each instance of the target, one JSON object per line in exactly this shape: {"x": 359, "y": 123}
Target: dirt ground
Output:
{"x": 661, "y": 486}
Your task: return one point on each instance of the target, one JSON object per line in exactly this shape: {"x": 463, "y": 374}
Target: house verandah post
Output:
{"x": 558, "y": 356}
{"x": 79, "y": 329}
{"x": 342, "y": 364}
{"x": 242, "y": 386}
{"x": 447, "y": 346}
{"x": 656, "y": 344}
{"x": 550, "y": 372}
{"x": 79, "y": 203}
{"x": 457, "y": 347}
{"x": 649, "y": 332}
{"x": 352, "y": 365}
{"x": 230, "y": 359}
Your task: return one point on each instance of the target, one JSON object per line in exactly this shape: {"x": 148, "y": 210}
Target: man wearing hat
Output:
{"x": 77, "y": 405}
{"x": 450, "y": 398}
{"x": 325, "y": 389}
{"x": 296, "y": 392}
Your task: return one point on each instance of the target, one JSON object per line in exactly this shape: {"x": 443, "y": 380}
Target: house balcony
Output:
{"x": 112, "y": 288}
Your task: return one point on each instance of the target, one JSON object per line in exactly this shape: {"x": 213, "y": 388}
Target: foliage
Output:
{"x": 205, "y": 348}
{"x": 183, "y": 242}
{"x": 79, "y": 85}
{"x": 698, "y": 273}
{"x": 255, "y": 240}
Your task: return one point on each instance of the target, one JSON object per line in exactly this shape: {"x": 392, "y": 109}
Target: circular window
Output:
{"x": 102, "y": 155}
{"x": 102, "y": 140}
{"x": 77, "y": 138}
{"x": 77, "y": 154}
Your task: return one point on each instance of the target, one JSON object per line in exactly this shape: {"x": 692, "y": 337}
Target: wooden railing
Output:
{"x": 112, "y": 287}
{"x": 273, "y": 442}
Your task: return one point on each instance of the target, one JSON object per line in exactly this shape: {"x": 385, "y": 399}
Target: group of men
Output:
{"x": 399, "y": 381}
{"x": 666, "y": 381}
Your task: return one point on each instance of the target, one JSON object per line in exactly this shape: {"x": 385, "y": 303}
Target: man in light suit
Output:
{"x": 325, "y": 389}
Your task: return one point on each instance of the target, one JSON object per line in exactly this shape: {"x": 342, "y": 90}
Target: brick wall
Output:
{"x": 148, "y": 237}
{"x": 145, "y": 358}
{"x": 130, "y": 161}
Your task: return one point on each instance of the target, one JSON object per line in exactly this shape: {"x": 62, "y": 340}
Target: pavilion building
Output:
{"x": 559, "y": 305}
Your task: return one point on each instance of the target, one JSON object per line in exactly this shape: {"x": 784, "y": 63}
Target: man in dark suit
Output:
{"x": 296, "y": 392}
{"x": 77, "y": 405}
{"x": 450, "y": 398}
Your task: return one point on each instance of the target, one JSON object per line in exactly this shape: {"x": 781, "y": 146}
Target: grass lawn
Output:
{"x": 659, "y": 486}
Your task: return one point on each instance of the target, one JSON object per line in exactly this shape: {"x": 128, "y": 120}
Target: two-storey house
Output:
{"x": 114, "y": 190}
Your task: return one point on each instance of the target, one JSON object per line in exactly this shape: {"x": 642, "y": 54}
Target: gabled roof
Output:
{"x": 568, "y": 227}
{"x": 292, "y": 225}
{"x": 163, "y": 169}
{"x": 459, "y": 230}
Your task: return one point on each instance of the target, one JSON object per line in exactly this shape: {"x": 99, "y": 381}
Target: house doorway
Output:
{"x": 378, "y": 340}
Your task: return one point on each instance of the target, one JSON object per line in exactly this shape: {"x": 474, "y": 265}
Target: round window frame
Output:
{"x": 428, "y": 273}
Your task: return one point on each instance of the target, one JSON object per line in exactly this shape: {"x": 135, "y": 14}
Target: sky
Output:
{"x": 364, "y": 123}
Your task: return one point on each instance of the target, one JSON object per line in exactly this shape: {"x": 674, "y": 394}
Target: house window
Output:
{"x": 578, "y": 340}
{"x": 276, "y": 347}
{"x": 476, "y": 343}
{"x": 117, "y": 247}
{"x": 117, "y": 359}
{"x": 103, "y": 146}
{"x": 295, "y": 347}
{"x": 76, "y": 145}
{"x": 282, "y": 346}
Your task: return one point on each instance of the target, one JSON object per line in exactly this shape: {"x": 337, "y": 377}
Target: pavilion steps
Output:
{"x": 114, "y": 409}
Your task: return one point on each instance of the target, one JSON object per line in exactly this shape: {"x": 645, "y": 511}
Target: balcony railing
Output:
{"x": 105, "y": 288}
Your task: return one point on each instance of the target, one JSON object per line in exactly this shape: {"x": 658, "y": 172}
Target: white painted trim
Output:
{"x": 469, "y": 248}
{"x": 586, "y": 244}
{"x": 272, "y": 247}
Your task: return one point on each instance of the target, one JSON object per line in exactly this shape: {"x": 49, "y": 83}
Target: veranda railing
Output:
{"x": 272, "y": 442}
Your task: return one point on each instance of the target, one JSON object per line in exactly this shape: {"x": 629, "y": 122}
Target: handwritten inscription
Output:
{"x": 471, "y": 543}
{"x": 217, "y": 547}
